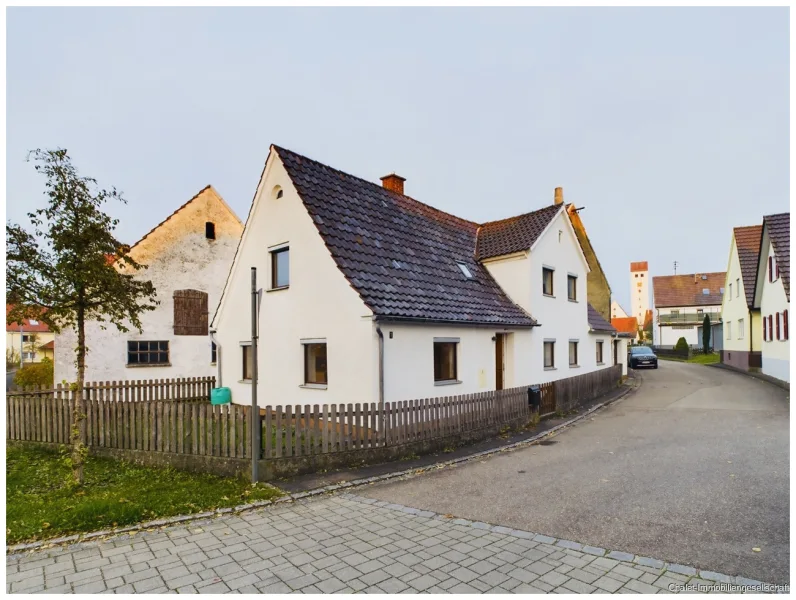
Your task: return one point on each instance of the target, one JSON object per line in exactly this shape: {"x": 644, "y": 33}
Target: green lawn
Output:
{"x": 701, "y": 359}
{"x": 41, "y": 503}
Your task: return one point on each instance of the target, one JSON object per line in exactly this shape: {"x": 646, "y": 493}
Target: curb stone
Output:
{"x": 624, "y": 557}
{"x": 161, "y": 523}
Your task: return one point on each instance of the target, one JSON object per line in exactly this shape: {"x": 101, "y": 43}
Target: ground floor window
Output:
{"x": 445, "y": 360}
{"x": 247, "y": 360}
{"x": 28, "y": 356}
{"x": 147, "y": 353}
{"x": 549, "y": 354}
{"x": 573, "y": 354}
{"x": 315, "y": 370}
{"x": 599, "y": 352}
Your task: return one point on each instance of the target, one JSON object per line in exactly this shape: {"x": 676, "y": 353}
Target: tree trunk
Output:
{"x": 79, "y": 408}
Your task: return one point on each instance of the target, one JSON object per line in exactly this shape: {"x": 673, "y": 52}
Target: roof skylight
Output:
{"x": 465, "y": 270}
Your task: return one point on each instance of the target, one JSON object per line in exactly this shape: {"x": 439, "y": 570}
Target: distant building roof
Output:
{"x": 625, "y": 324}
{"x": 648, "y": 317}
{"x": 696, "y": 289}
{"x": 747, "y": 244}
{"x": 27, "y": 326}
{"x": 779, "y": 231}
{"x": 639, "y": 266}
{"x": 48, "y": 346}
{"x": 598, "y": 323}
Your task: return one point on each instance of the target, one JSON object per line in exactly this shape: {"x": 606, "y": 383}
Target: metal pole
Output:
{"x": 255, "y": 433}
{"x": 20, "y": 345}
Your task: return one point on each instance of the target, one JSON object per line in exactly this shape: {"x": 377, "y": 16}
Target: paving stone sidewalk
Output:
{"x": 342, "y": 544}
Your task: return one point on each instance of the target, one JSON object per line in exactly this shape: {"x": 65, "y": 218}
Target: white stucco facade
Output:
{"x": 742, "y": 330}
{"x": 320, "y": 306}
{"x": 178, "y": 256}
{"x": 772, "y": 300}
{"x": 639, "y": 291}
{"x": 617, "y": 311}
{"x": 667, "y": 335}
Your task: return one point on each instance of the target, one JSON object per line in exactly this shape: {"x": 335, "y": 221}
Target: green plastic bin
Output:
{"x": 221, "y": 395}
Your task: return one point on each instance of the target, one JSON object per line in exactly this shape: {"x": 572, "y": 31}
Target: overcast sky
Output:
{"x": 669, "y": 125}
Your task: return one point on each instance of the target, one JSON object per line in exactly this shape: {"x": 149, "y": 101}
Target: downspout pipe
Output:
{"x": 381, "y": 377}
{"x": 218, "y": 356}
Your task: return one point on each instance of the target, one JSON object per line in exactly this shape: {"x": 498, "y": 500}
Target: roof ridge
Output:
{"x": 373, "y": 184}
{"x": 520, "y": 215}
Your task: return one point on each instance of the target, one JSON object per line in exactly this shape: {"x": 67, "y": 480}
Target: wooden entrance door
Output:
{"x": 500, "y": 340}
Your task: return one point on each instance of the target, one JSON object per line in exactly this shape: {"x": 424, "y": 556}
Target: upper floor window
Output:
{"x": 210, "y": 230}
{"x": 465, "y": 271}
{"x": 572, "y": 287}
{"x": 737, "y": 287}
{"x": 573, "y": 353}
{"x": 190, "y": 312}
{"x": 280, "y": 267}
{"x": 213, "y": 353}
{"x": 740, "y": 329}
{"x": 730, "y": 291}
{"x": 547, "y": 281}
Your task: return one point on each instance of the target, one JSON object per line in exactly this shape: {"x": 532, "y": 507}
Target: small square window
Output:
{"x": 573, "y": 354}
{"x": 465, "y": 271}
{"x": 280, "y": 268}
{"x": 147, "y": 353}
{"x": 445, "y": 361}
{"x": 572, "y": 287}
{"x": 315, "y": 364}
{"x": 549, "y": 355}
{"x": 547, "y": 281}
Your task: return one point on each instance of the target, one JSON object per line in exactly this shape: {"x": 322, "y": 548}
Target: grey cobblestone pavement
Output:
{"x": 342, "y": 544}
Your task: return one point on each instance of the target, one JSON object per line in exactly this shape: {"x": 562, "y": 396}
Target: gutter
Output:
{"x": 218, "y": 356}
{"x": 387, "y": 319}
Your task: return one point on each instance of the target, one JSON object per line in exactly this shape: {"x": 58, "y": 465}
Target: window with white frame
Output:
{"x": 315, "y": 367}
{"x": 280, "y": 268}
{"x": 729, "y": 330}
{"x": 572, "y": 287}
{"x": 740, "y": 329}
{"x": 599, "y": 352}
{"x": 547, "y": 281}
{"x": 247, "y": 361}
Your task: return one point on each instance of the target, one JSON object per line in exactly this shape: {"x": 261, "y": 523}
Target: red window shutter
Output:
{"x": 770, "y": 329}
{"x": 765, "y": 329}
{"x": 785, "y": 325}
{"x": 770, "y": 270}
{"x": 777, "y": 325}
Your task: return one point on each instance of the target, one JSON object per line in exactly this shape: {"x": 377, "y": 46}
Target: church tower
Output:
{"x": 639, "y": 291}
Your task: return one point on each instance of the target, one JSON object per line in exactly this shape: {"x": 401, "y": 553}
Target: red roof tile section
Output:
{"x": 39, "y": 327}
{"x": 688, "y": 290}
{"x": 625, "y": 324}
{"x": 747, "y": 244}
{"x": 48, "y": 346}
{"x": 779, "y": 231}
{"x": 639, "y": 266}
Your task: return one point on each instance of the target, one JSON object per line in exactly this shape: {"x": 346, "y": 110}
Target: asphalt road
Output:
{"x": 693, "y": 468}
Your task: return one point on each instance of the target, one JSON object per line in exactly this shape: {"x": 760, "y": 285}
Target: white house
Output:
{"x": 772, "y": 295}
{"x": 681, "y": 303}
{"x": 369, "y": 295}
{"x": 188, "y": 257}
{"x": 742, "y": 326}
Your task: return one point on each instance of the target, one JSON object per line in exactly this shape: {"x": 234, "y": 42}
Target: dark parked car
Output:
{"x": 642, "y": 356}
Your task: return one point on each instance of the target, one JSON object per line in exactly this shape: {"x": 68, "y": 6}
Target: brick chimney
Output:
{"x": 558, "y": 198}
{"x": 394, "y": 183}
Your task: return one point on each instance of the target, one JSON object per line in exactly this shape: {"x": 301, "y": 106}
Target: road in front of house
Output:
{"x": 693, "y": 468}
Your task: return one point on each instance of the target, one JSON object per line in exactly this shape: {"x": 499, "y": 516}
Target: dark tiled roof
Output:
{"x": 687, "y": 290}
{"x": 779, "y": 231}
{"x": 625, "y": 324}
{"x": 398, "y": 254}
{"x": 515, "y": 234}
{"x": 747, "y": 244}
{"x": 598, "y": 323}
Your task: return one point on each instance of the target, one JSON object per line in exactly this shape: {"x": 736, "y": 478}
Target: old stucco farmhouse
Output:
{"x": 369, "y": 295}
{"x": 188, "y": 256}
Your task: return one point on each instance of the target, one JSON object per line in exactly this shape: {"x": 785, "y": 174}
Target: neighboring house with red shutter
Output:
{"x": 772, "y": 295}
{"x": 742, "y": 329}
{"x": 188, "y": 256}
{"x": 371, "y": 295}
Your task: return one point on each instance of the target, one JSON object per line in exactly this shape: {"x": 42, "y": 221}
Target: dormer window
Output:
{"x": 465, "y": 271}
{"x": 210, "y": 230}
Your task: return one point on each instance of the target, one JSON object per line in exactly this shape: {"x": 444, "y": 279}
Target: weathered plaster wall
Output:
{"x": 178, "y": 256}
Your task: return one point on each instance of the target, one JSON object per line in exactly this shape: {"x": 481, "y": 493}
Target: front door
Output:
{"x": 499, "y": 363}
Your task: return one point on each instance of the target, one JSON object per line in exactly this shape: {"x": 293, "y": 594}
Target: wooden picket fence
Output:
{"x": 125, "y": 416}
{"x": 141, "y": 390}
{"x": 314, "y": 429}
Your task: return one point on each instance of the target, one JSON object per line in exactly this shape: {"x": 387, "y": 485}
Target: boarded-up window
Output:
{"x": 190, "y": 312}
